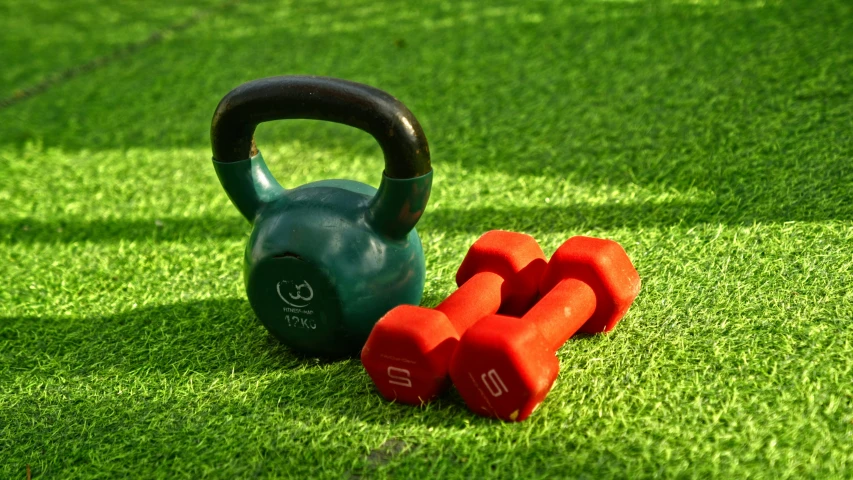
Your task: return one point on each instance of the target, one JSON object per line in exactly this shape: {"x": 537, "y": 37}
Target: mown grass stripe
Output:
{"x": 122, "y": 53}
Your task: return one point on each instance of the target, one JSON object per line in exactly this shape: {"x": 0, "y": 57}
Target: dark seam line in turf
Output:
{"x": 123, "y": 52}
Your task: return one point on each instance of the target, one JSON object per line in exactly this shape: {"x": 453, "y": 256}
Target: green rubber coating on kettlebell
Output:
{"x": 399, "y": 204}
{"x": 249, "y": 184}
{"x": 350, "y": 248}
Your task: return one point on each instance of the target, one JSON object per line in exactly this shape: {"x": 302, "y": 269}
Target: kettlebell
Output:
{"x": 327, "y": 259}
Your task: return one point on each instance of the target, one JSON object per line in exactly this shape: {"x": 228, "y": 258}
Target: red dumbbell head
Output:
{"x": 406, "y": 354}
{"x": 509, "y": 255}
{"x": 605, "y": 267}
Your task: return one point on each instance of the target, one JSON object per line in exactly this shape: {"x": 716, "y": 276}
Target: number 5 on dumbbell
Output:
{"x": 400, "y": 376}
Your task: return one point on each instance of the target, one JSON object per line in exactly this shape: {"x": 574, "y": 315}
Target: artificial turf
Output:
{"x": 712, "y": 139}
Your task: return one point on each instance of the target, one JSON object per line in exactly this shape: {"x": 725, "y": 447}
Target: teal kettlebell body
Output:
{"x": 327, "y": 259}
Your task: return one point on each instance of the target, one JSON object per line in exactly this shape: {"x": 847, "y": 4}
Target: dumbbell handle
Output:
{"x": 562, "y": 311}
{"x": 473, "y": 300}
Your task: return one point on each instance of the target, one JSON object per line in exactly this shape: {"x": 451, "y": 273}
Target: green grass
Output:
{"x": 712, "y": 139}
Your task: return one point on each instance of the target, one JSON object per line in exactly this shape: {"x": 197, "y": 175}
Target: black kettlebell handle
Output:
{"x": 320, "y": 98}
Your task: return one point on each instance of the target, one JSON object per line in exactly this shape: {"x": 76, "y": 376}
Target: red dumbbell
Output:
{"x": 408, "y": 351}
{"x": 504, "y": 367}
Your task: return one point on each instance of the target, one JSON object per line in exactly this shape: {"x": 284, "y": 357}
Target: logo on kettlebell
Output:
{"x": 298, "y": 296}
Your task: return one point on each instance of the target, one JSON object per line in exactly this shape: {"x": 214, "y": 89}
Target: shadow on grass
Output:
{"x": 199, "y": 336}
{"x": 214, "y": 338}
{"x": 163, "y": 229}
{"x": 533, "y": 220}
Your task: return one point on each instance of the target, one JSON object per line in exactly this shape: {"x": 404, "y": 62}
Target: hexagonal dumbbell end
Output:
{"x": 605, "y": 267}
{"x": 515, "y": 257}
{"x": 504, "y": 367}
{"x": 408, "y": 352}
